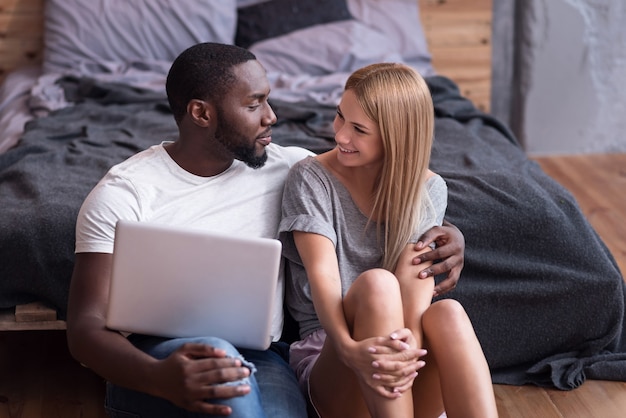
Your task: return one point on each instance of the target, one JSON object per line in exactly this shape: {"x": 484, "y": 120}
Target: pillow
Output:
{"x": 338, "y": 47}
{"x": 273, "y": 18}
{"x": 396, "y": 20}
{"x": 121, "y": 31}
{"x": 400, "y": 21}
{"x": 245, "y": 3}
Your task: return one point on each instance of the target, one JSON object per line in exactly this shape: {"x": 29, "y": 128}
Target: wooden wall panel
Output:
{"x": 21, "y": 33}
{"x": 458, "y": 33}
{"x": 459, "y": 37}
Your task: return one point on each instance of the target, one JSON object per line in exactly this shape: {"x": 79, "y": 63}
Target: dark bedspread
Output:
{"x": 44, "y": 180}
{"x": 544, "y": 294}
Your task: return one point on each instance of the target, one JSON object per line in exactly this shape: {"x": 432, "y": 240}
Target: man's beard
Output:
{"x": 238, "y": 144}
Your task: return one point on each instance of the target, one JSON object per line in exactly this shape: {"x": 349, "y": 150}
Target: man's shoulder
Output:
{"x": 140, "y": 156}
{"x": 289, "y": 154}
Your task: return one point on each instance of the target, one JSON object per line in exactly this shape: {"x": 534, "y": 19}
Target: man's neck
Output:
{"x": 198, "y": 162}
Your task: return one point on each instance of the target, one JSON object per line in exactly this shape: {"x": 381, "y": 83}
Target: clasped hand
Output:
{"x": 386, "y": 364}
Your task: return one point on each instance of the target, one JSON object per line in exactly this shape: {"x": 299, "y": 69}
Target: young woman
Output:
{"x": 351, "y": 218}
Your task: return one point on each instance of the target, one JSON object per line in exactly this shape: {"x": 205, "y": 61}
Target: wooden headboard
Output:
{"x": 458, "y": 33}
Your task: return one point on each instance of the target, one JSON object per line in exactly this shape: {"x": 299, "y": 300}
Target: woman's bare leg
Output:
{"x": 416, "y": 299}
{"x": 417, "y": 294}
{"x": 427, "y": 397}
{"x": 465, "y": 378}
{"x": 372, "y": 307}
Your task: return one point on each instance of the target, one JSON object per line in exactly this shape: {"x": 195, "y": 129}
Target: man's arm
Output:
{"x": 447, "y": 257}
{"x": 186, "y": 377}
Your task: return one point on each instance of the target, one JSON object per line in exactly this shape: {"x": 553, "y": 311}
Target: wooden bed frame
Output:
{"x": 458, "y": 33}
{"x": 30, "y": 316}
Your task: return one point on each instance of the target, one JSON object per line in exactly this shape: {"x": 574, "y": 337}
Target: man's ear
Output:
{"x": 200, "y": 112}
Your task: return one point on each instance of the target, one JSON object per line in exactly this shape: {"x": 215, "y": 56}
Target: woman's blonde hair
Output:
{"x": 396, "y": 97}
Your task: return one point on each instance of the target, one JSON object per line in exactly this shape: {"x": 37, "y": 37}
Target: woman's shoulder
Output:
{"x": 309, "y": 164}
{"x": 433, "y": 178}
{"x": 311, "y": 175}
{"x": 435, "y": 184}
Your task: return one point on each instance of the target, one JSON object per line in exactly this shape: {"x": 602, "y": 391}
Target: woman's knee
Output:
{"x": 446, "y": 314}
{"x": 378, "y": 283}
{"x": 371, "y": 294}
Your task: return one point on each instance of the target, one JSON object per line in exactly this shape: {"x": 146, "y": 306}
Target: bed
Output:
{"x": 544, "y": 293}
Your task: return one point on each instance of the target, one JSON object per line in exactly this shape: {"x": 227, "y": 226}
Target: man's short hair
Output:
{"x": 204, "y": 72}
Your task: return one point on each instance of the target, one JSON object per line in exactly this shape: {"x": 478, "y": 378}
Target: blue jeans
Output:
{"x": 274, "y": 393}
{"x": 280, "y": 392}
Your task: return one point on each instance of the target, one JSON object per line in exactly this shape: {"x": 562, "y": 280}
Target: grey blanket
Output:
{"x": 544, "y": 294}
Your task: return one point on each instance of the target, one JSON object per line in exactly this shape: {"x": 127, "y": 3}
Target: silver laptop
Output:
{"x": 177, "y": 282}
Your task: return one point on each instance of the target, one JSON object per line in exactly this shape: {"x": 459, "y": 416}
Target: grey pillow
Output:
{"x": 106, "y": 33}
{"x": 274, "y": 18}
{"x": 400, "y": 21}
{"x": 337, "y": 47}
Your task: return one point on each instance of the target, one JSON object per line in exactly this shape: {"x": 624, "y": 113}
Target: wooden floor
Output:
{"x": 39, "y": 379}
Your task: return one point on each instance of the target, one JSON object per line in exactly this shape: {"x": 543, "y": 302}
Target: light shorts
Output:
{"x": 304, "y": 353}
{"x": 302, "y": 356}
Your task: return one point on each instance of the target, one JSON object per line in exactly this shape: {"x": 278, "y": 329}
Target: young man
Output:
{"x": 221, "y": 174}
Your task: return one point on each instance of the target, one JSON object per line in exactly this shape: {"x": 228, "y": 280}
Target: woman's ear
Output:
{"x": 200, "y": 112}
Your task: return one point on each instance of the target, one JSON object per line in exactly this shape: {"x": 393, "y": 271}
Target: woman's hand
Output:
{"x": 386, "y": 364}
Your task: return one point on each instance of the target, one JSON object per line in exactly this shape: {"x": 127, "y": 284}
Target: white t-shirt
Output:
{"x": 150, "y": 186}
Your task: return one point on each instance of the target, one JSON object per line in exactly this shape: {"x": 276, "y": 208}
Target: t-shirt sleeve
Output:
{"x": 438, "y": 192}
{"x": 306, "y": 207}
{"x": 434, "y": 208}
{"x": 112, "y": 199}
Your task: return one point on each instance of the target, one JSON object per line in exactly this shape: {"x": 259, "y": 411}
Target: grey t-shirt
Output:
{"x": 315, "y": 201}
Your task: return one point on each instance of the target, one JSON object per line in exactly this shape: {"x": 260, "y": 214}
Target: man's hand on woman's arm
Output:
{"x": 447, "y": 257}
